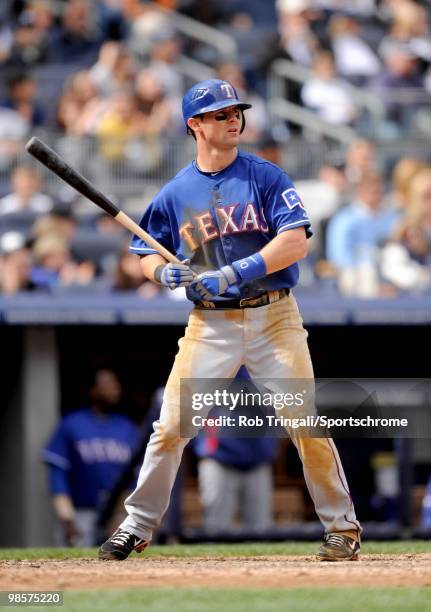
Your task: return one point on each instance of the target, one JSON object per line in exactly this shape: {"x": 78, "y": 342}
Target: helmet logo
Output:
{"x": 199, "y": 93}
{"x": 228, "y": 90}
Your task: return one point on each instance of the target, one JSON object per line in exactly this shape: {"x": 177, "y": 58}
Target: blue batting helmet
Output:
{"x": 208, "y": 96}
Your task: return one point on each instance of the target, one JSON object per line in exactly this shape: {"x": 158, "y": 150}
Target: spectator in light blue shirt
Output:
{"x": 356, "y": 233}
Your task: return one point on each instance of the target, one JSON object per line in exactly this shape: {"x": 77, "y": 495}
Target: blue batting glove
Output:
{"x": 212, "y": 283}
{"x": 174, "y": 275}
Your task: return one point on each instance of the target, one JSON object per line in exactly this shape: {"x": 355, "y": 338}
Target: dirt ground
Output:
{"x": 407, "y": 570}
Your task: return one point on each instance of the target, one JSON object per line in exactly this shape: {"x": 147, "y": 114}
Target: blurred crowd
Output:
{"x": 107, "y": 76}
{"x": 47, "y": 248}
{"x": 124, "y": 58}
{"x": 372, "y": 235}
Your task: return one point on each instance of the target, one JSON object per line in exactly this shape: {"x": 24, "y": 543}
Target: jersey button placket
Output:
{"x": 227, "y": 248}
{"x": 225, "y": 239}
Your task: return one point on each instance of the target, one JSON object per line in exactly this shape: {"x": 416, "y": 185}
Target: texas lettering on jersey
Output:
{"x": 203, "y": 227}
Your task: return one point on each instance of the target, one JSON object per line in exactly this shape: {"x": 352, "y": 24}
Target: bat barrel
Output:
{"x": 58, "y": 165}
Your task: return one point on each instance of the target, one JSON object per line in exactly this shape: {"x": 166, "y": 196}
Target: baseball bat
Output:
{"x": 49, "y": 158}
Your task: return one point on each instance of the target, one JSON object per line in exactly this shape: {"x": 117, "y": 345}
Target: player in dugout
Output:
{"x": 85, "y": 456}
{"x": 239, "y": 228}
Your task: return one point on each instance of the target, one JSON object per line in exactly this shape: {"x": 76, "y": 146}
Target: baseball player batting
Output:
{"x": 238, "y": 221}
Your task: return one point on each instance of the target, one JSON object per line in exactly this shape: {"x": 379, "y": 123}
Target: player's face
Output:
{"x": 222, "y": 128}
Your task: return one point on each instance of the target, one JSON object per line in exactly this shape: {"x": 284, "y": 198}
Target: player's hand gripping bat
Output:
{"x": 56, "y": 164}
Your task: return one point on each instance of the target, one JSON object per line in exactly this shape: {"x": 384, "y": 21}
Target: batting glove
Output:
{"x": 174, "y": 275}
{"x": 211, "y": 284}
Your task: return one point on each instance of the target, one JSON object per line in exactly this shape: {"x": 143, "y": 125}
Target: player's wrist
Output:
{"x": 250, "y": 268}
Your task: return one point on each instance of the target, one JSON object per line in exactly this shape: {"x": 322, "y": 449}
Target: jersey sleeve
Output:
{"x": 58, "y": 480}
{"x": 156, "y": 223}
{"x": 283, "y": 206}
{"x": 57, "y": 451}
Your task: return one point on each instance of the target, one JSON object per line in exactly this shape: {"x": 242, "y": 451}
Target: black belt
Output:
{"x": 252, "y": 302}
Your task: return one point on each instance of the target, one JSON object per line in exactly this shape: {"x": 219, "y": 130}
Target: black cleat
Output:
{"x": 119, "y": 546}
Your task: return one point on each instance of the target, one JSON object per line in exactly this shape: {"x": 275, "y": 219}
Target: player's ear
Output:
{"x": 192, "y": 125}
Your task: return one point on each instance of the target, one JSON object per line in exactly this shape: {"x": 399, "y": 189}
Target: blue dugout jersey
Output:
{"x": 87, "y": 454}
{"x": 217, "y": 218}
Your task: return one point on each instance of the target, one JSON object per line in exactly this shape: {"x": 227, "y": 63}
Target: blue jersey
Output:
{"x": 87, "y": 454}
{"x": 216, "y": 218}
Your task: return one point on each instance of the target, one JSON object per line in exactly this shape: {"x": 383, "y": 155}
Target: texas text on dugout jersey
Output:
{"x": 217, "y": 218}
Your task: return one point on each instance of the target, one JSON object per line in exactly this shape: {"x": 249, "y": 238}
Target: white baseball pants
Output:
{"x": 272, "y": 343}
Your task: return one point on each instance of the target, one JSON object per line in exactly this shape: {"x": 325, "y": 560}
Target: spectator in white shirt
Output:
{"x": 26, "y": 194}
{"x": 354, "y": 59}
{"x": 325, "y": 94}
